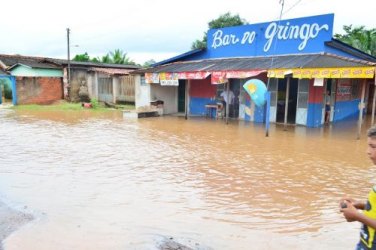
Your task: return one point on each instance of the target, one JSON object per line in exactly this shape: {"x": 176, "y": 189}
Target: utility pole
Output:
{"x": 69, "y": 71}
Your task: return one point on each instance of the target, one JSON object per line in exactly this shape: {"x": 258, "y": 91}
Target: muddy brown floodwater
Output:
{"x": 95, "y": 181}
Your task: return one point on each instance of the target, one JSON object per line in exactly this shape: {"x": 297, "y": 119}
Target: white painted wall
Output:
{"x": 145, "y": 93}
{"x": 168, "y": 94}
{"x": 273, "y": 114}
{"x": 142, "y": 93}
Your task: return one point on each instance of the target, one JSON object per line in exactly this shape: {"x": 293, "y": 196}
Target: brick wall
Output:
{"x": 39, "y": 90}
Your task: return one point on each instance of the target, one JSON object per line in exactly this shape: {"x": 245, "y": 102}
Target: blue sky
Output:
{"x": 147, "y": 29}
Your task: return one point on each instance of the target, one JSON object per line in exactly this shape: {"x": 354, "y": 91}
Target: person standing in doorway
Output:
{"x": 349, "y": 206}
{"x": 327, "y": 106}
{"x": 228, "y": 97}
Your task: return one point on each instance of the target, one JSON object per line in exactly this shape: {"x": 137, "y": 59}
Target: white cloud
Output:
{"x": 147, "y": 29}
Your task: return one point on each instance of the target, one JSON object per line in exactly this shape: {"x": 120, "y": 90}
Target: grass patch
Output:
{"x": 52, "y": 107}
{"x": 67, "y": 106}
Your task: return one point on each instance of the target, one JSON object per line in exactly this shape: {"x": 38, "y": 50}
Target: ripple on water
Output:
{"x": 107, "y": 179}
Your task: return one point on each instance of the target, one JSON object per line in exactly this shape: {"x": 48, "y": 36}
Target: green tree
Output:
{"x": 225, "y": 20}
{"x": 104, "y": 59}
{"x": 360, "y": 38}
{"x": 119, "y": 57}
{"x": 82, "y": 57}
{"x": 96, "y": 60}
{"x": 149, "y": 63}
{"x": 115, "y": 57}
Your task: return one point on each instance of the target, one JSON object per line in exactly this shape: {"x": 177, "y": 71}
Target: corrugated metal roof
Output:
{"x": 263, "y": 63}
{"x": 33, "y": 62}
{"x": 112, "y": 71}
{"x": 93, "y": 64}
{"x": 176, "y": 58}
{"x": 53, "y": 63}
{"x": 339, "y": 45}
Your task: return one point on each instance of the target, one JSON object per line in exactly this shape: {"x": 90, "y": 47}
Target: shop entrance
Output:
{"x": 181, "y": 96}
{"x": 234, "y": 96}
{"x": 235, "y": 88}
{"x": 289, "y": 88}
{"x": 329, "y": 90}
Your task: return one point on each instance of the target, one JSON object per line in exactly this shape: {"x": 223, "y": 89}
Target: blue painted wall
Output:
{"x": 299, "y": 35}
{"x": 14, "y": 90}
{"x": 197, "y": 105}
{"x": 342, "y": 110}
{"x": 201, "y": 93}
{"x": 237, "y": 41}
{"x": 314, "y": 115}
{"x": 346, "y": 109}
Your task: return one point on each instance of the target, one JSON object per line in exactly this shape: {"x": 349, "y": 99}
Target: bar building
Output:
{"x": 298, "y": 60}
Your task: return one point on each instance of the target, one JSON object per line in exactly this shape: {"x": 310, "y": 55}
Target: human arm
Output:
{"x": 351, "y": 214}
{"x": 357, "y": 204}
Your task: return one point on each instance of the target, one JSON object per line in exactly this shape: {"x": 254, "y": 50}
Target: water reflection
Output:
{"x": 96, "y": 181}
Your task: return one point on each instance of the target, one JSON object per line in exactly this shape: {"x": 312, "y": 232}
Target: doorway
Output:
{"x": 287, "y": 86}
{"x": 235, "y": 88}
{"x": 329, "y": 89}
{"x": 8, "y": 90}
{"x": 181, "y": 96}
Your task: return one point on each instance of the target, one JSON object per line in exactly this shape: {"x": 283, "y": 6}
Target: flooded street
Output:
{"x": 95, "y": 181}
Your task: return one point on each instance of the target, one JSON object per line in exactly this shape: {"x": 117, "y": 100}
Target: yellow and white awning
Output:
{"x": 350, "y": 72}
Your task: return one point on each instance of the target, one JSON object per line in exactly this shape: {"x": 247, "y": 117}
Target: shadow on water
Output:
{"x": 97, "y": 181}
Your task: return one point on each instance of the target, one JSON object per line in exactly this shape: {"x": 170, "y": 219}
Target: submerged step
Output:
{"x": 139, "y": 114}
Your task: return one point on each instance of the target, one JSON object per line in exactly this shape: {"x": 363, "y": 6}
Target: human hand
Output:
{"x": 349, "y": 211}
{"x": 355, "y": 203}
{"x": 348, "y": 199}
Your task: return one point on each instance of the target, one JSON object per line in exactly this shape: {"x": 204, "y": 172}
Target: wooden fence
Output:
{"x": 125, "y": 89}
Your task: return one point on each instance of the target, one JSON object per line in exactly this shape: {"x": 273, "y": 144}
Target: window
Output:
{"x": 303, "y": 93}
{"x": 143, "y": 82}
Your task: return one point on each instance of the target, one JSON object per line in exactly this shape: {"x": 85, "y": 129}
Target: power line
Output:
{"x": 68, "y": 52}
{"x": 293, "y": 6}
{"x": 267, "y": 94}
{"x": 282, "y": 2}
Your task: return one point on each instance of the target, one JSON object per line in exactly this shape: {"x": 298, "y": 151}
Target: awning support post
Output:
{"x": 373, "y": 101}
{"x": 227, "y": 103}
{"x": 286, "y": 103}
{"x": 187, "y": 98}
{"x": 267, "y": 113}
{"x": 361, "y": 107}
